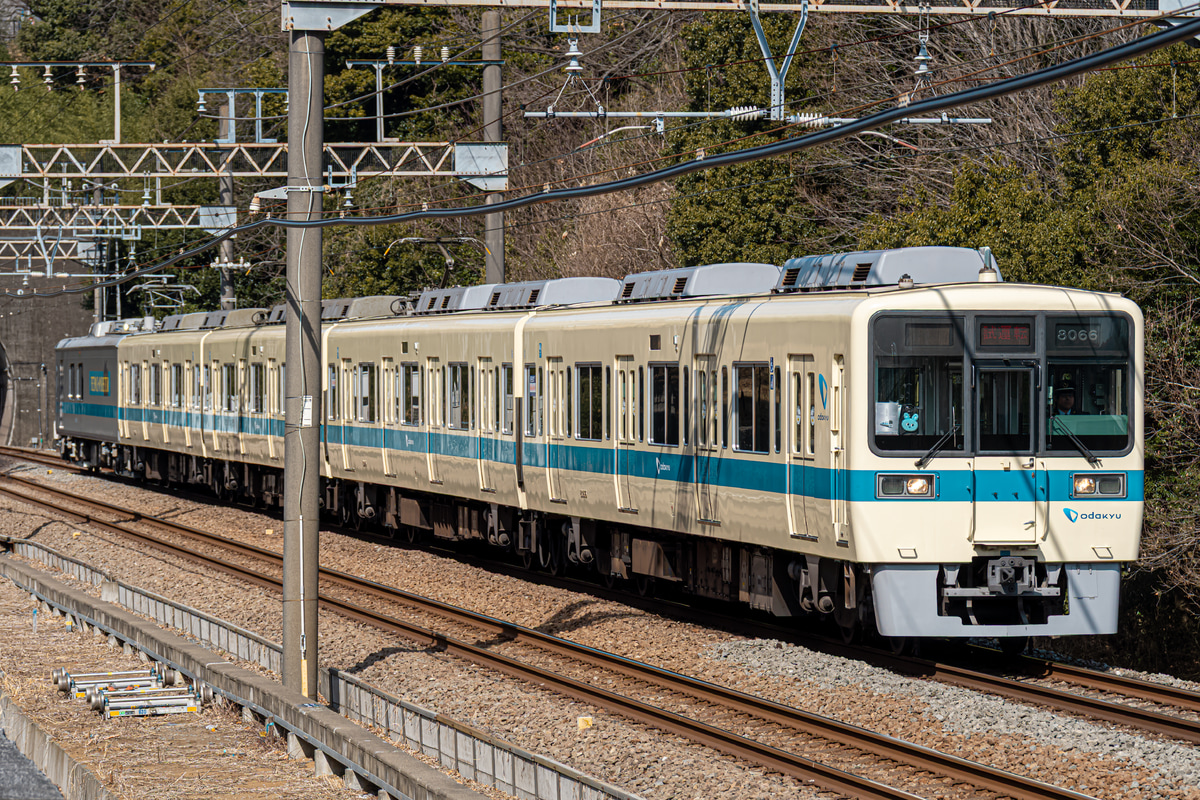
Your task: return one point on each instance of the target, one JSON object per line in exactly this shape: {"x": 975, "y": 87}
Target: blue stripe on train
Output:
{"x": 728, "y": 471}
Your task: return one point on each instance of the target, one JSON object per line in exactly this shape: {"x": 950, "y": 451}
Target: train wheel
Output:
{"x": 849, "y": 631}
{"x": 644, "y": 585}
{"x": 608, "y": 580}
{"x": 901, "y": 645}
{"x": 527, "y": 559}
{"x": 550, "y": 557}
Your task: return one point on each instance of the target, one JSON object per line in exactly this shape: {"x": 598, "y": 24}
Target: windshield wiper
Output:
{"x": 937, "y": 446}
{"x": 1075, "y": 440}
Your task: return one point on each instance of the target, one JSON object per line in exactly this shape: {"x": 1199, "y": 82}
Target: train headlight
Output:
{"x": 917, "y": 486}
{"x": 1091, "y": 484}
{"x": 904, "y": 486}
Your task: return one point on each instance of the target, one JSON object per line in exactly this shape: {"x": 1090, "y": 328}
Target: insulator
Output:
{"x": 812, "y": 120}
{"x": 16, "y": 79}
{"x": 746, "y": 113}
{"x": 201, "y": 107}
{"x": 418, "y": 51}
{"x": 391, "y": 54}
{"x": 923, "y": 60}
{"x": 146, "y": 197}
{"x": 255, "y": 204}
{"x": 48, "y": 77}
{"x": 573, "y": 54}
{"x": 445, "y": 54}
{"x": 349, "y": 202}
{"x": 80, "y": 75}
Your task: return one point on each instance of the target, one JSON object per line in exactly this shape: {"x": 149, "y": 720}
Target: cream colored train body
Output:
{"x": 878, "y": 437}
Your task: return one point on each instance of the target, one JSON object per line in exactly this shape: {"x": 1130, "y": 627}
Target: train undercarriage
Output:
{"x": 777, "y": 582}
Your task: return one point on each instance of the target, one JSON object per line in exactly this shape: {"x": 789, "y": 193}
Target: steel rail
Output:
{"x": 1154, "y": 692}
{"x": 1119, "y": 713}
{"x": 786, "y": 763}
{"x": 876, "y": 744}
{"x": 1152, "y": 721}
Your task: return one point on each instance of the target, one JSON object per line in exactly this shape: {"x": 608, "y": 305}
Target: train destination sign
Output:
{"x": 1005, "y": 335}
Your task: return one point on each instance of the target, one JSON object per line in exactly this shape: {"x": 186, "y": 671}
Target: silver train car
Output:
{"x": 896, "y": 440}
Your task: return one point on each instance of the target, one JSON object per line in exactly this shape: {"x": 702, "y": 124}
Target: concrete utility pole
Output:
{"x": 225, "y": 188}
{"x": 302, "y": 433}
{"x": 493, "y": 224}
{"x": 101, "y": 263}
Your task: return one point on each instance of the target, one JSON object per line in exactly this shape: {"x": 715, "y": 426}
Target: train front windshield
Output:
{"x": 985, "y": 384}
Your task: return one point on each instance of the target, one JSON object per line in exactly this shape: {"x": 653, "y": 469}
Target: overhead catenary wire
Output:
{"x": 513, "y": 168}
{"x": 1000, "y": 88}
{"x": 777, "y": 129}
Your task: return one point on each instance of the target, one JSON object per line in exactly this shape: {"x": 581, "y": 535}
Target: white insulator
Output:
{"x": 445, "y": 54}
{"x": 391, "y": 54}
{"x": 812, "y": 120}
{"x": 418, "y": 51}
{"x": 745, "y": 113}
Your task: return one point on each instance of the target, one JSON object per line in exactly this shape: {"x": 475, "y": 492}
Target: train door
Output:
{"x": 391, "y": 416}
{"x": 708, "y": 443}
{"x": 801, "y": 424}
{"x": 188, "y": 392}
{"x": 838, "y": 476}
{"x": 556, "y": 429}
{"x": 347, "y": 411}
{"x": 1008, "y": 479}
{"x": 124, "y": 401}
{"x": 434, "y": 418}
{"x": 626, "y": 438}
{"x": 489, "y": 423}
{"x": 273, "y": 391}
{"x": 164, "y": 401}
{"x": 213, "y": 402}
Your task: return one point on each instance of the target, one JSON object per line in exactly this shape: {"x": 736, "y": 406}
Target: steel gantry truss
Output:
{"x": 316, "y": 15}
{"x": 242, "y": 160}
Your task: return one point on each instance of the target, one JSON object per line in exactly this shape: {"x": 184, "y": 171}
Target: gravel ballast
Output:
{"x": 1090, "y": 757}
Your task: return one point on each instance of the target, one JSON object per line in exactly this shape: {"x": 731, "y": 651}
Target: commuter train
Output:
{"x": 893, "y": 439}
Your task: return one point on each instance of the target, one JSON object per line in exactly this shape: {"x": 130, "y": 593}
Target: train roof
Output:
{"x": 853, "y": 272}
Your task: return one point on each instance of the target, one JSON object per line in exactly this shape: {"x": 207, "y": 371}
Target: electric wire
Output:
{"x": 780, "y": 128}
{"x": 999, "y": 88}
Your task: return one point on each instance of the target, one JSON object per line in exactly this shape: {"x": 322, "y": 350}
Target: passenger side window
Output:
{"x": 506, "y": 382}
{"x": 753, "y": 407}
{"x": 229, "y": 385}
{"x": 411, "y": 392}
{"x": 531, "y": 400}
{"x": 331, "y": 394}
{"x": 460, "y": 397}
{"x": 664, "y": 404}
{"x": 366, "y": 391}
{"x": 591, "y": 397}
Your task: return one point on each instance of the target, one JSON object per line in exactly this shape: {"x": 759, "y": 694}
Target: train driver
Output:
{"x": 1064, "y": 401}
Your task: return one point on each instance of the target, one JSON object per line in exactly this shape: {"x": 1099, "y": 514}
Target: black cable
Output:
{"x": 976, "y": 94}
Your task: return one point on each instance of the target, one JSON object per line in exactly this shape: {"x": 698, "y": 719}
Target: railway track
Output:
{"x": 728, "y": 702}
{"x": 1162, "y": 696}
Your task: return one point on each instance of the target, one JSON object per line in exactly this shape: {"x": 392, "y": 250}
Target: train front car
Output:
{"x": 998, "y": 485}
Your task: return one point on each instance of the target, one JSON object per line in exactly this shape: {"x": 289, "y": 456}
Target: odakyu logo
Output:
{"x": 824, "y": 387}
{"x": 1074, "y": 515}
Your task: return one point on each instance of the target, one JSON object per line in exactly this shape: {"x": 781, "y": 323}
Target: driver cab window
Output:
{"x": 1087, "y": 387}
{"x": 918, "y": 378}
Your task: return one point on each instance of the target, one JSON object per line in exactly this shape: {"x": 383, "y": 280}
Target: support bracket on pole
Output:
{"x": 317, "y": 16}
{"x": 778, "y": 75}
{"x": 572, "y": 25}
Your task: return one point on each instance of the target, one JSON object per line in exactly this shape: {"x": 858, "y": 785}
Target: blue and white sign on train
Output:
{"x": 897, "y": 440}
